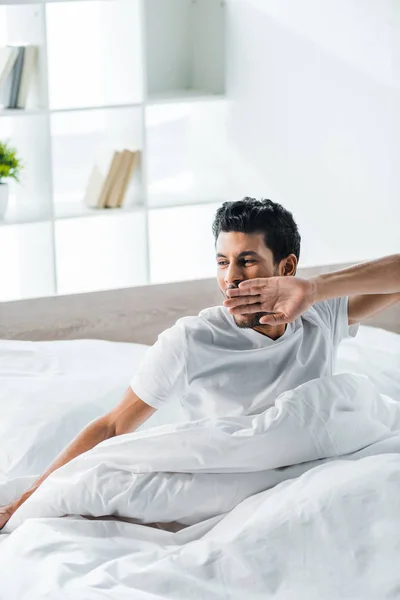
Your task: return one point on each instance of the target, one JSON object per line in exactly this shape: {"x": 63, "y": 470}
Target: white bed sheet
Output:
{"x": 110, "y": 558}
{"x": 49, "y": 391}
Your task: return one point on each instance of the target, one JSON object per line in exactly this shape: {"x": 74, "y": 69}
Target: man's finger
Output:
{"x": 234, "y": 292}
{"x": 242, "y": 300}
{"x": 253, "y": 283}
{"x": 274, "y": 319}
{"x": 246, "y": 309}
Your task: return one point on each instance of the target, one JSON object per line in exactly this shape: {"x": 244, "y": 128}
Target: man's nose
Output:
{"x": 232, "y": 276}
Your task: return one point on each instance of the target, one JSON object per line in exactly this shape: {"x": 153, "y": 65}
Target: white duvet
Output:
{"x": 301, "y": 501}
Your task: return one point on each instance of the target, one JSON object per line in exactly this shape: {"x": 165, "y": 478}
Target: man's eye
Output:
{"x": 221, "y": 263}
{"x": 248, "y": 261}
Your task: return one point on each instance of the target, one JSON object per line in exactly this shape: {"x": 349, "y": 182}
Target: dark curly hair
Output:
{"x": 249, "y": 215}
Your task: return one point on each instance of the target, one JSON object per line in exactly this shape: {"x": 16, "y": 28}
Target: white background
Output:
{"x": 316, "y": 110}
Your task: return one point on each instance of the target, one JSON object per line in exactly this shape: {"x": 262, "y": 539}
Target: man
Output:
{"x": 273, "y": 332}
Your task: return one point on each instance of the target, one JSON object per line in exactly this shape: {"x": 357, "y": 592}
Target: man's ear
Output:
{"x": 288, "y": 266}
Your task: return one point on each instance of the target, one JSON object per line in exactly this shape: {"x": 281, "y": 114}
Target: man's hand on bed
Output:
{"x": 6, "y": 512}
{"x": 125, "y": 417}
{"x": 286, "y": 298}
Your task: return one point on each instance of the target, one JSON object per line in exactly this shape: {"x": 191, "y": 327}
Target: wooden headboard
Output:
{"x": 136, "y": 314}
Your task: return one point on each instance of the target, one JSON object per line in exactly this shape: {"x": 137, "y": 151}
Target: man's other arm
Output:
{"x": 127, "y": 416}
{"x": 371, "y": 286}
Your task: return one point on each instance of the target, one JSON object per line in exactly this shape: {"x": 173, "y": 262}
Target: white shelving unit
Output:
{"x": 141, "y": 74}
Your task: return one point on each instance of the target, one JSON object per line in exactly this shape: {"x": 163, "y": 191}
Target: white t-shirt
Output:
{"x": 214, "y": 368}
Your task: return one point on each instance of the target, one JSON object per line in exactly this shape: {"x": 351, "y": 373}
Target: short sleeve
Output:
{"x": 335, "y": 312}
{"x": 162, "y": 374}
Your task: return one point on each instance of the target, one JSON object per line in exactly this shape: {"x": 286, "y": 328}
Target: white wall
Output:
{"x": 315, "y": 91}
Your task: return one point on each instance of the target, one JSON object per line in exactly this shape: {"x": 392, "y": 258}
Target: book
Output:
{"x": 5, "y": 92}
{"x": 8, "y": 56}
{"x": 109, "y": 181}
{"x": 94, "y": 186}
{"x": 106, "y": 187}
{"x": 28, "y": 69}
{"x": 119, "y": 182}
{"x": 132, "y": 166}
{"x": 8, "y": 76}
{"x": 16, "y": 77}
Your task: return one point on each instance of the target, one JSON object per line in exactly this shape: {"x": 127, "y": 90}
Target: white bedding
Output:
{"x": 49, "y": 391}
{"x": 298, "y": 502}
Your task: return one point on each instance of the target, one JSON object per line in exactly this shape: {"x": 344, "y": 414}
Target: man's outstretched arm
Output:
{"x": 371, "y": 287}
{"x": 127, "y": 416}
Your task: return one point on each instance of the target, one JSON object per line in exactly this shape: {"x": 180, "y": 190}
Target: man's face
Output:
{"x": 243, "y": 256}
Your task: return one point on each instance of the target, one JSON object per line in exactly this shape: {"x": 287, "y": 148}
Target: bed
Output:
{"x": 307, "y": 520}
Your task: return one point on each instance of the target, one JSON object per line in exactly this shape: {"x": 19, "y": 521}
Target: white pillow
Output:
{"x": 375, "y": 353}
{"x": 49, "y": 391}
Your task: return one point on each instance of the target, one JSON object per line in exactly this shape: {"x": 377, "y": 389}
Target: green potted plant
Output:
{"x": 10, "y": 168}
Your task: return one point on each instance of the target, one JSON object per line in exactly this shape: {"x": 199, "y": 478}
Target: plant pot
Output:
{"x": 3, "y": 199}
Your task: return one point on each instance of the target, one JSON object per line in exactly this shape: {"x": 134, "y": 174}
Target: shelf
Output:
{"x": 24, "y": 219}
{"x": 188, "y": 203}
{"x": 81, "y": 140}
{"x": 184, "y": 45}
{"x": 27, "y": 270}
{"x": 69, "y": 210}
{"x": 25, "y": 24}
{"x": 21, "y": 112}
{"x": 176, "y": 96}
{"x": 145, "y": 75}
{"x": 21, "y": 2}
{"x": 31, "y": 112}
{"x": 88, "y": 68}
{"x": 188, "y": 153}
{"x": 55, "y": 111}
{"x": 115, "y": 256}
{"x": 30, "y": 200}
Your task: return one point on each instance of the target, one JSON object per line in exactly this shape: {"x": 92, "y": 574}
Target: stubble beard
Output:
{"x": 249, "y": 321}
